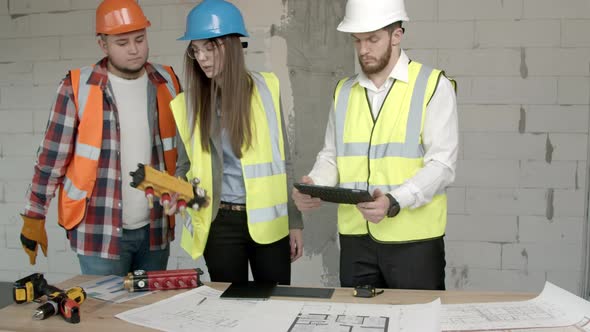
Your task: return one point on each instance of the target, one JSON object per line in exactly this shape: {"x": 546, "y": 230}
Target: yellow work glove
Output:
{"x": 33, "y": 234}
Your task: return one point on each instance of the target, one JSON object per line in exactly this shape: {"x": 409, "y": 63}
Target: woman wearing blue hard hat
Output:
{"x": 231, "y": 125}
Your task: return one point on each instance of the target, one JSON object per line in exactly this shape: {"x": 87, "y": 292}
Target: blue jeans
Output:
{"x": 135, "y": 254}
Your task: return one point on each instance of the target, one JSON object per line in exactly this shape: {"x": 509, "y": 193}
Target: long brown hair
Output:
{"x": 232, "y": 90}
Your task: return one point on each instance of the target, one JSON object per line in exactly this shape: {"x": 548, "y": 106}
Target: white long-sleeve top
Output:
{"x": 440, "y": 140}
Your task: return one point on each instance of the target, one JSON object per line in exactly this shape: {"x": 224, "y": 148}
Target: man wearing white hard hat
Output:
{"x": 393, "y": 131}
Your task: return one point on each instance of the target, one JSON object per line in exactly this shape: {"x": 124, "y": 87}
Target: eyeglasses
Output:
{"x": 210, "y": 47}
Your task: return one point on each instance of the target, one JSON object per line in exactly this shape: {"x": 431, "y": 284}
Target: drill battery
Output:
{"x": 29, "y": 288}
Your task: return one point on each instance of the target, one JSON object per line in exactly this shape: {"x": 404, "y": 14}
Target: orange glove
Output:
{"x": 33, "y": 234}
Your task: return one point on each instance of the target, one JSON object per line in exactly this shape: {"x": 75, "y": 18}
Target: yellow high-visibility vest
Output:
{"x": 263, "y": 169}
{"x": 385, "y": 152}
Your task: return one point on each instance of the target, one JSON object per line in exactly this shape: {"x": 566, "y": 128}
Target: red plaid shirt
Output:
{"x": 99, "y": 234}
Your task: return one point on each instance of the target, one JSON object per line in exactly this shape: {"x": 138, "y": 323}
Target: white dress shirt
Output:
{"x": 440, "y": 140}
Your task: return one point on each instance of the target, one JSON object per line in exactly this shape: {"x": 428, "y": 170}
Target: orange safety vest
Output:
{"x": 80, "y": 177}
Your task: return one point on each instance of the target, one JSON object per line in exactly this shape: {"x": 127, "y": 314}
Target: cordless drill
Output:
{"x": 66, "y": 303}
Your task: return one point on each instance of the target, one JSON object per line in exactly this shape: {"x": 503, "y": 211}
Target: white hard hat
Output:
{"x": 370, "y": 15}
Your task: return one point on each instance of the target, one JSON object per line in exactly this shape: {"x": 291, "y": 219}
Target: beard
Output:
{"x": 131, "y": 71}
{"x": 380, "y": 65}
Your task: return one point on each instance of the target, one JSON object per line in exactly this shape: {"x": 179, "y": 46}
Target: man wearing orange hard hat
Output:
{"x": 106, "y": 119}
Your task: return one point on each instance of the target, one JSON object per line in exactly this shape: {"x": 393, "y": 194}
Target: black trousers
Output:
{"x": 230, "y": 247}
{"x": 414, "y": 265}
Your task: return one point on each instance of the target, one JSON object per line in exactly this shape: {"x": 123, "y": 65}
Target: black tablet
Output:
{"x": 290, "y": 291}
{"x": 335, "y": 194}
{"x": 248, "y": 290}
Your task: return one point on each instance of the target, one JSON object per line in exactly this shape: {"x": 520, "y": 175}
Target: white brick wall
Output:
{"x": 541, "y": 256}
{"x": 3, "y": 7}
{"x": 574, "y": 33}
{"x": 568, "y": 9}
{"x": 15, "y": 73}
{"x": 473, "y": 254}
{"x": 26, "y": 97}
{"x": 573, "y": 90}
{"x": 52, "y": 72}
{"x": 558, "y": 230}
{"x": 422, "y": 10}
{"x": 26, "y": 147}
{"x": 174, "y": 17}
{"x": 489, "y": 118}
{"x": 506, "y": 202}
{"x": 557, "y": 119}
{"x": 60, "y": 24}
{"x": 467, "y": 277}
{"x": 478, "y": 62}
{"x": 498, "y": 173}
{"x": 521, "y": 33}
{"x": 569, "y": 203}
{"x": 539, "y": 174}
{"x": 484, "y": 228}
{"x": 479, "y": 9}
{"x": 434, "y": 35}
{"x": 502, "y": 90}
{"x": 504, "y": 146}
{"x": 79, "y": 47}
{"x": 16, "y": 121}
{"x": 38, "y": 6}
{"x": 558, "y": 61}
{"x": 17, "y": 27}
{"x": 29, "y": 49}
{"x": 517, "y": 209}
{"x": 456, "y": 200}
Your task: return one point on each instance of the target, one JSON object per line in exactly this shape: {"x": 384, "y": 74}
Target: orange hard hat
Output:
{"x": 119, "y": 16}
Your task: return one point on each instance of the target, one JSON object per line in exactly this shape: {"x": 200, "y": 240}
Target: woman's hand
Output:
{"x": 296, "y": 242}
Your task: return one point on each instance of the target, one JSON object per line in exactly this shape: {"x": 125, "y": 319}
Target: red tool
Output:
{"x": 141, "y": 280}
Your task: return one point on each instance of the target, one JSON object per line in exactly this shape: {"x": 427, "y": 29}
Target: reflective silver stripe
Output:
{"x": 87, "y": 151}
{"x": 341, "y": 106}
{"x": 267, "y": 214}
{"x": 273, "y": 126}
{"x": 355, "y": 149}
{"x": 396, "y": 150}
{"x": 73, "y": 192}
{"x": 188, "y": 223}
{"x": 166, "y": 75}
{"x": 354, "y": 185}
{"x": 83, "y": 90}
{"x": 363, "y": 186}
{"x": 390, "y": 187}
{"x": 385, "y": 188}
{"x": 169, "y": 143}
{"x": 262, "y": 170}
{"x": 413, "y": 148}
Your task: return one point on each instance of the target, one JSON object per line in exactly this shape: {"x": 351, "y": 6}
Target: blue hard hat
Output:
{"x": 212, "y": 19}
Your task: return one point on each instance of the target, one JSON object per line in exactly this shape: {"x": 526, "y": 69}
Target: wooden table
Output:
{"x": 98, "y": 315}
